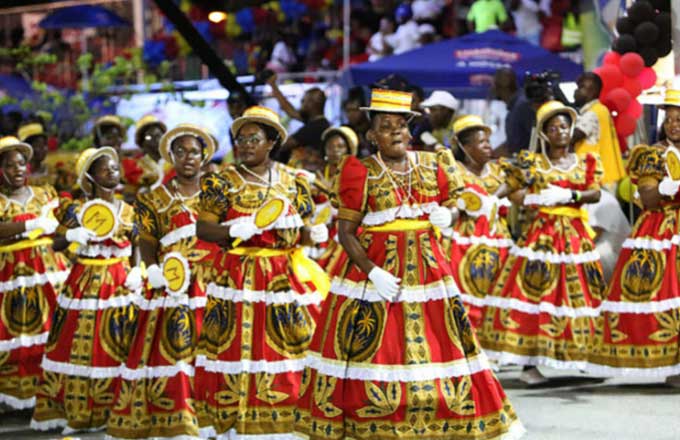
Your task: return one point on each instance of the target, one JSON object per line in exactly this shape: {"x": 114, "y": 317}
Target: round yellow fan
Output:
{"x": 673, "y": 163}
{"x": 99, "y": 216}
{"x": 323, "y": 216}
{"x": 177, "y": 273}
{"x": 267, "y": 214}
{"x": 472, "y": 200}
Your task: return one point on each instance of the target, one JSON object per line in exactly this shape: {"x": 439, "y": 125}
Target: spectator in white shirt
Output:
{"x": 283, "y": 58}
{"x": 527, "y": 14}
{"x": 427, "y": 10}
{"x": 407, "y": 36}
{"x": 377, "y": 47}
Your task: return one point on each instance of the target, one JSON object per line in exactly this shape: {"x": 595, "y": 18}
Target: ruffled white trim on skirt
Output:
{"x": 177, "y": 437}
{"x": 461, "y": 240}
{"x": 48, "y": 425}
{"x": 542, "y": 307}
{"x": 67, "y": 303}
{"x": 505, "y": 358}
{"x": 652, "y": 244}
{"x": 28, "y": 282}
{"x": 364, "y": 290}
{"x": 80, "y": 370}
{"x": 648, "y": 307}
{"x": 156, "y": 372}
{"x": 103, "y": 251}
{"x": 555, "y": 258}
{"x": 404, "y": 211}
{"x": 177, "y": 235}
{"x": 24, "y": 341}
{"x": 249, "y": 366}
{"x": 17, "y": 403}
{"x": 606, "y": 370}
{"x": 266, "y": 296}
{"x": 209, "y": 432}
{"x": 169, "y": 302}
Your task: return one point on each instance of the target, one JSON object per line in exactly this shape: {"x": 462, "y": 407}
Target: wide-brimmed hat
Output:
{"x": 468, "y": 122}
{"x": 390, "y": 101}
{"x": 671, "y": 98}
{"x": 442, "y": 98}
{"x": 550, "y": 109}
{"x": 187, "y": 130}
{"x": 9, "y": 143}
{"x": 110, "y": 120}
{"x": 261, "y": 115}
{"x": 347, "y": 133}
{"x": 30, "y": 130}
{"x": 143, "y": 123}
{"x": 85, "y": 161}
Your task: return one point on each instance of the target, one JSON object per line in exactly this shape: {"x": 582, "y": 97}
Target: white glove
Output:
{"x": 385, "y": 283}
{"x": 318, "y": 233}
{"x": 79, "y": 235}
{"x": 156, "y": 278}
{"x": 243, "y": 231}
{"x": 669, "y": 187}
{"x": 554, "y": 195}
{"x": 487, "y": 207}
{"x": 441, "y": 217}
{"x": 47, "y": 225}
{"x": 133, "y": 281}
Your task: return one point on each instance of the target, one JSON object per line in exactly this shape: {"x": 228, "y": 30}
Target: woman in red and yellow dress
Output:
{"x": 478, "y": 242}
{"x": 156, "y": 391}
{"x": 259, "y": 319}
{"x": 641, "y": 315}
{"x": 394, "y": 354}
{"x": 96, "y": 316}
{"x": 338, "y": 143}
{"x": 545, "y": 303}
{"x": 30, "y": 273}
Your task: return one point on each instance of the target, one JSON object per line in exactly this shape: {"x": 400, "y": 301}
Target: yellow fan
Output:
{"x": 323, "y": 216}
{"x": 472, "y": 200}
{"x": 177, "y": 273}
{"x": 673, "y": 163}
{"x": 99, "y": 217}
{"x": 267, "y": 214}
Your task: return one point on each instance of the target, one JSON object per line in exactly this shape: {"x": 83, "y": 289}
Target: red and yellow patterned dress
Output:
{"x": 544, "y": 306}
{"x": 259, "y": 319}
{"x": 30, "y": 276}
{"x": 641, "y": 315}
{"x": 411, "y": 368}
{"x": 478, "y": 247}
{"x": 156, "y": 393}
{"x": 92, "y": 329}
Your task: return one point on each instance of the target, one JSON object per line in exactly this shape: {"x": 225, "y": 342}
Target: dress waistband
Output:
{"x": 25, "y": 244}
{"x": 100, "y": 261}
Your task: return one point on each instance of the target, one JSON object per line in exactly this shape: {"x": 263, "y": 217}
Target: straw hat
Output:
{"x": 390, "y": 101}
{"x": 550, "y": 109}
{"x": 9, "y": 143}
{"x": 85, "y": 161}
{"x": 187, "y": 130}
{"x": 30, "y": 130}
{"x": 110, "y": 120}
{"x": 145, "y": 122}
{"x": 347, "y": 133}
{"x": 467, "y": 122}
{"x": 262, "y": 115}
{"x": 671, "y": 98}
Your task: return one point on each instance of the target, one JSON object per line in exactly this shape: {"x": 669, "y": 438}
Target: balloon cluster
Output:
{"x": 644, "y": 36}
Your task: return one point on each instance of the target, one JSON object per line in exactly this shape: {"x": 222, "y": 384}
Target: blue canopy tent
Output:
{"x": 83, "y": 16}
{"x": 465, "y": 65}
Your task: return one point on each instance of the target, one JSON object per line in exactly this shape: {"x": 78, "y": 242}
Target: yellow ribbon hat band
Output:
{"x": 672, "y": 98}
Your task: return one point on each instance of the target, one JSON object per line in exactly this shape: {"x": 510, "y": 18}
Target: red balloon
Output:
{"x": 611, "y": 76}
{"x": 617, "y": 100}
{"x": 647, "y": 78}
{"x": 632, "y": 85}
{"x": 634, "y": 109}
{"x": 611, "y": 57}
{"x": 625, "y": 124}
{"x": 631, "y": 64}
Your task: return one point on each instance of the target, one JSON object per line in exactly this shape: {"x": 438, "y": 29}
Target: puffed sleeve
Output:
{"x": 146, "y": 219}
{"x": 214, "y": 202}
{"x": 304, "y": 204}
{"x": 449, "y": 179}
{"x": 67, "y": 214}
{"x": 350, "y": 187}
{"x": 594, "y": 171}
{"x": 646, "y": 164}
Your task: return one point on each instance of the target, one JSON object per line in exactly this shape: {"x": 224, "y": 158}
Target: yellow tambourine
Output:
{"x": 472, "y": 201}
{"x": 99, "y": 216}
{"x": 673, "y": 162}
{"x": 177, "y": 273}
{"x": 267, "y": 214}
{"x": 324, "y": 215}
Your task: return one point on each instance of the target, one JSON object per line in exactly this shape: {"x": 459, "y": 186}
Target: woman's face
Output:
{"x": 252, "y": 145}
{"x": 110, "y": 136}
{"x": 188, "y": 155}
{"x": 671, "y": 124}
{"x": 151, "y": 139}
{"x": 14, "y": 169}
{"x": 106, "y": 172}
{"x": 478, "y": 146}
{"x": 336, "y": 148}
{"x": 39, "y": 144}
{"x": 558, "y": 131}
{"x": 389, "y": 131}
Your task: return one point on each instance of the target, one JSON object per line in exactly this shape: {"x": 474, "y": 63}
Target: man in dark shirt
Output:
{"x": 303, "y": 148}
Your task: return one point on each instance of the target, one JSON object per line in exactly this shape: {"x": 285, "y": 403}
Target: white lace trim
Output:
{"x": 28, "y": 282}
{"x": 176, "y": 235}
{"x": 209, "y": 432}
{"x": 606, "y": 370}
{"x": 266, "y": 296}
{"x": 79, "y": 370}
{"x": 291, "y": 221}
{"x": 103, "y": 251}
{"x": 505, "y": 358}
{"x": 177, "y": 437}
{"x": 473, "y": 300}
{"x": 397, "y": 373}
{"x": 250, "y": 366}
{"x": 17, "y": 403}
{"x": 96, "y": 303}
{"x": 542, "y": 307}
{"x": 364, "y": 290}
{"x": 23, "y": 341}
{"x": 649, "y": 307}
{"x": 48, "y": 425}
{"x": 403, "y": 211}
{"x": 156, "y": 372}
{"x": 169, "y": 302}
{"x": 559, "y": 258}
{"x": 651, "y": 243}
{"x": 467, "y": 241}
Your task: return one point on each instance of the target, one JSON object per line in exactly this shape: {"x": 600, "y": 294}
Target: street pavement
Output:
{"x": 571, "y": 407}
